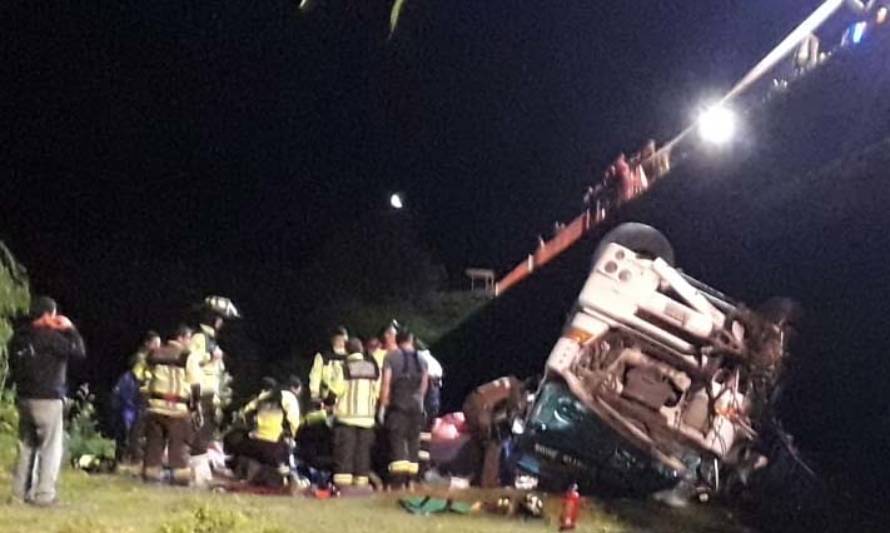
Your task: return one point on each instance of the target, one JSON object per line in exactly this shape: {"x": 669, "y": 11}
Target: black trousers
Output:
{"x": 352, "y": 451}
{"x": 403, "y": 429}
{"x": 170, "y": 432}
{"x": 205, "y": 434}
{"x": 240, "y": 444}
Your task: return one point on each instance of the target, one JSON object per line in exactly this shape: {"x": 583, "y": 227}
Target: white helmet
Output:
{"x": 222, "y": 306}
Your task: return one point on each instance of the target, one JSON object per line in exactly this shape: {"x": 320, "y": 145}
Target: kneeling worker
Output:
{"x": 275, "y": 418}
{"x": 174, "y": 393}
{"x": 355, "y": 384}
{"x": 490, "y": 410}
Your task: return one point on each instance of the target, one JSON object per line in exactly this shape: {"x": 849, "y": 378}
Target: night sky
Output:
{"x": 154, "y": 152}
{"x": 190, "y": 128}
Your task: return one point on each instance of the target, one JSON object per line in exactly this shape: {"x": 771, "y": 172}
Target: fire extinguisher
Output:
{"x": 571, "y": 504}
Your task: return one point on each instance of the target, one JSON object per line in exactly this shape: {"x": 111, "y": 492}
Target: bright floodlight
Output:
{"x": 396, "y": 201}
{"x": 858, "y": 32}
{"x": 717, "y": 125}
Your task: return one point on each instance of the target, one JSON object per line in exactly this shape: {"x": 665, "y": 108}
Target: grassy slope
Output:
{"x": 105, "y": 504}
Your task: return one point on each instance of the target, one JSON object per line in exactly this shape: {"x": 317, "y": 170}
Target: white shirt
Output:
{"x": 433, "y": 367}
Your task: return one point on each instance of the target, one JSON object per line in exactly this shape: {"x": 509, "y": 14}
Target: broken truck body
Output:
{"x": 657, "y": 380}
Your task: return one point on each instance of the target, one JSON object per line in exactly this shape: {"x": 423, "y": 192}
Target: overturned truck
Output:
{"x": 659, "y": 383}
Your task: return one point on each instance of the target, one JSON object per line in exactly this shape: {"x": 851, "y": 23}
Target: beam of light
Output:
{"x": 717, "y": 125}
{"x": 396, "y": 201}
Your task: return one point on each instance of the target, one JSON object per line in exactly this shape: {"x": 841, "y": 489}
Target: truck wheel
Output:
{"x": 642, "y": 239}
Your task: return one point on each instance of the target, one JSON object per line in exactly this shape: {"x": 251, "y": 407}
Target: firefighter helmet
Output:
{"x": 222, "y": 306}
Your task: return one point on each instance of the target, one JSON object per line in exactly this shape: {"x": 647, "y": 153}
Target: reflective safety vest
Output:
{"x": 204, "y": 344}
{"x": 356, "y": 385}
{"x": 277, "y": 413}
{"x": 173, "y": 372}
{"x": 379, "y": 356}
{"x": 323, "y": 368}
{"x": 140, "y": 365}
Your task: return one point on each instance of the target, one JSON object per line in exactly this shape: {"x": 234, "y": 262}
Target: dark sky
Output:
{"x": 250, "y": 126}
{"x": 145, "y": 140}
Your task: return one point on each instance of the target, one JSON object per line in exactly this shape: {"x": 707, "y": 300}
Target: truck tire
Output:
{"x": 642, "y": 239}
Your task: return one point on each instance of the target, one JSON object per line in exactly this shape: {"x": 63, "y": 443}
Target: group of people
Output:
{"x": 378, "y": 395}
{"x": 367, "y": 404}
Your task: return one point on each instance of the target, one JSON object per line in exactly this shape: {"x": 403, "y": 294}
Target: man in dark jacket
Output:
{"x": 40, "y": 353}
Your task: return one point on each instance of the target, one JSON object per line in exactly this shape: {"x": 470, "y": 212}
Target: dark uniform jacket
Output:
{"x": 39, "y": 359}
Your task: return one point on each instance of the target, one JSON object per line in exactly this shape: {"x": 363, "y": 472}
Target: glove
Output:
{"x": 381, "y": 416}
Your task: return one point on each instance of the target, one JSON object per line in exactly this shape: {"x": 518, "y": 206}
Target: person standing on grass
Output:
{"x": 356, "y": 385}
{"x": 40, "y": 353}
{"x": 174, "y": 407}
{"x": 130, "y": 458}
{"x": 405, "y": 382}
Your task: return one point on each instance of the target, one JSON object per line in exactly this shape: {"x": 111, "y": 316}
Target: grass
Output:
{"x": 106, "y": 504}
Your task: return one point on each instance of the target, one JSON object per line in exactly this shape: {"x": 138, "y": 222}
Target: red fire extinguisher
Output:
{"x": 571, "y": 504}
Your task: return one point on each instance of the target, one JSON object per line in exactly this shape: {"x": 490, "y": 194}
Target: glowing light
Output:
{"x": 858, "y": 32}
{"x": 396, "y": 201}
{"x": 881, "y": 16}
{"x": 717, "y": 125}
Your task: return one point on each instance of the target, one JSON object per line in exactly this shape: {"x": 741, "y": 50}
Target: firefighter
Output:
{"x": 377, "y": 348}
{"x": 274, "y": 419}
{"x": 323, "y": 365}
{"x": 489, "y": 410}
{"x": 405, "y": 382}
{"x": 174, "y": 392}
{"x": 374, "y": 349}
{"x": 131, "y": 453}
{"x": 356, "y": 385}
{"x": 388, "y": 336}
{"x": 215, "y": 311}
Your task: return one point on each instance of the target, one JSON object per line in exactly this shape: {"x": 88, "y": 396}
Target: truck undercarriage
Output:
{"x": 680, "y": 376}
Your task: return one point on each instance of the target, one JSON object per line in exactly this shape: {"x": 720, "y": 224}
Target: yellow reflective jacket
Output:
{"x": 379, "y": 356}
{"x": 213, "y": 368}
{"x": 321, "y": 373}
{"x": 140, "y": 365}
{"x": 356, "y": 383}
{"x": 276, "y": 410}
{"x": 173, "y": 371}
